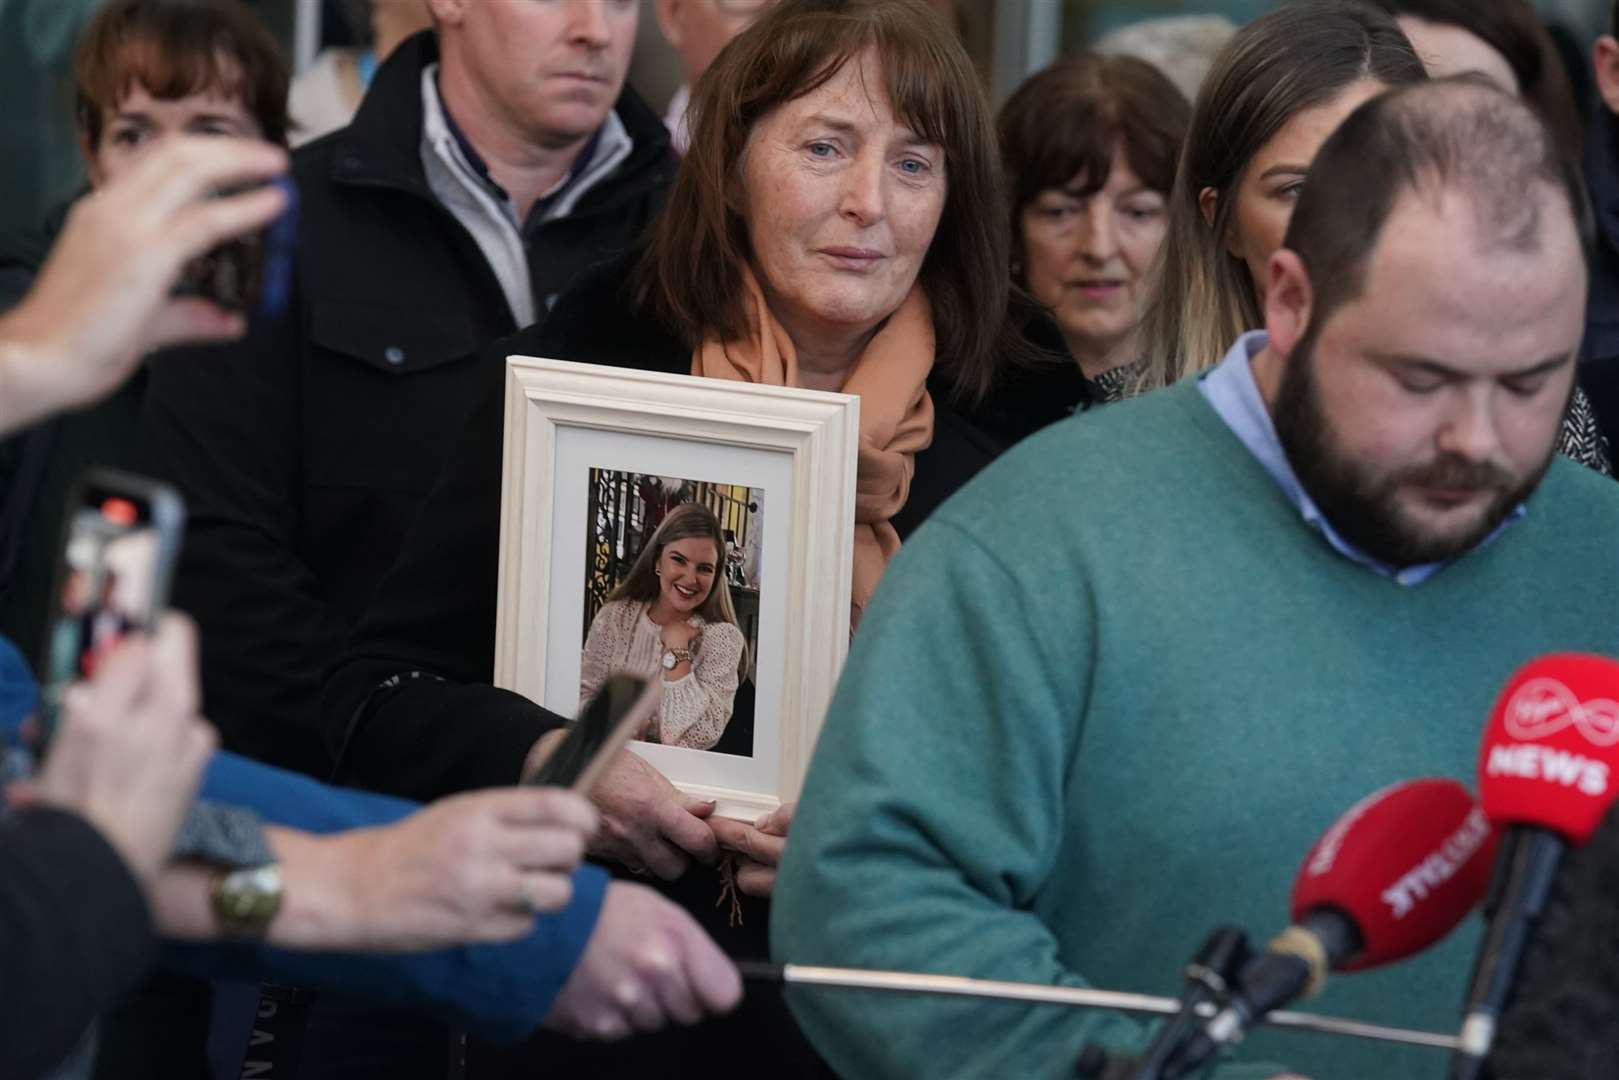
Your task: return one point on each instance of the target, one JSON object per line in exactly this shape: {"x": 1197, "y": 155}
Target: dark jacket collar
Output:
{"x": 382, "y": 145}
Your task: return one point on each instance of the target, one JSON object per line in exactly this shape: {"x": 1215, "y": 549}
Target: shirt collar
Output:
{"x": 1231, "y": 392}
{"x": 557, "y": 198}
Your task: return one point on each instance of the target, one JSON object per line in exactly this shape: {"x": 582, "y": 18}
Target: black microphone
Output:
{"x": 1208, "y": 979}
{"x": 1545, "y": 776}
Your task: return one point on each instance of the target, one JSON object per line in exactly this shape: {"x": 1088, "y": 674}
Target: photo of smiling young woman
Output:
{"x": 672, "y": 592}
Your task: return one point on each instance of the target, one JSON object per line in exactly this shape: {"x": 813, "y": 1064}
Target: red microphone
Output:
{"x": 1547, "y": 773}
{"x": 1392, "y": 876}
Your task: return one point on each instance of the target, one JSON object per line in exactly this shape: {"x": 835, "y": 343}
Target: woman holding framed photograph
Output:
{"x": 672, "y": 617}
{"x": 838, "y": 223}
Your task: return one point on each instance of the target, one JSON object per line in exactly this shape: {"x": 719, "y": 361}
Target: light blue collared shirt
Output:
{"x": 1231, "y": 392}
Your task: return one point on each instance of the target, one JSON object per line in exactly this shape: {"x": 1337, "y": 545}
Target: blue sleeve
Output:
{"x": 498, "y": 992}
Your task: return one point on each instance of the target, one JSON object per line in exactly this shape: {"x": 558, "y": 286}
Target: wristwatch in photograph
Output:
{"x": 673, "y": 658}
{"x": 245, "y": 901}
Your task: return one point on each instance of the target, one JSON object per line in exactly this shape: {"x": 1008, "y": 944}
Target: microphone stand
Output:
{"x": 1211, "y": 971}
{"x": 1075, "y": 997}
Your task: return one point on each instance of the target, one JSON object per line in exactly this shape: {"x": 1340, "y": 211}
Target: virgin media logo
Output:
{"x": 1543, "y": 707}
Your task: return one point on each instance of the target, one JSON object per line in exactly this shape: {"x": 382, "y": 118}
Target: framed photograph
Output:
{"x": 698, "y": 531}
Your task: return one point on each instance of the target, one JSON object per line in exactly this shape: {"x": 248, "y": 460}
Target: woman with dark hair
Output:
{"x": 1282, "y": 86}
{"x": 1503, "y": 40}
{"x": 1090, "y": 146}
{"x": 838, "y": 223}
{"x": 671, "y": 618}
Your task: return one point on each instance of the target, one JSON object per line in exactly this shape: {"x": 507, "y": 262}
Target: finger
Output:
{"x": 637, "y": 1000}
{"x": 207, "y": 224}
{"x": 700, "y": 807}
{"x": 607, "y": 1026}
{"x": 660, "y": 858}
{"x": 712, "y": 976}
{"x": 117, "y": 684}
{"x": 674, "y": 991}
{"x": 545, "y": 806}
{"x": 756, "y": 879}
{"x": 686, "y": 831}
{"x": 185, "y": 169}
{"x": 544, "y": 849}
{"x": 192, "y": 320}
{"x": 174, "y": 665}
{"x": 745, "y": 839}
{"x": 778, "y": 821}
{"x": 543, "y": 894}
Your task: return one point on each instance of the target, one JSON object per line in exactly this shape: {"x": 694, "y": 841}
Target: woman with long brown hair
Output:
{"x": 671, "y": 618}
{"x": 838, "y": 223}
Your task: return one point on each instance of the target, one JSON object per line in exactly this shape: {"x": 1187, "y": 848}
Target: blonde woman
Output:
{"x": 672, "y": 618}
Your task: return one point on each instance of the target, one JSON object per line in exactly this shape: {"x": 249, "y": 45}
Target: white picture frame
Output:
{"x": 799, "y": 447}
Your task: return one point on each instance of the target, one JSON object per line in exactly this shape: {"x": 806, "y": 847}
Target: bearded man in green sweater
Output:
{"x": 1077, "y": 732}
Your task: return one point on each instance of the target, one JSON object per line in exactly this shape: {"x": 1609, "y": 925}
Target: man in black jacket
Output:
{"x": 1599, "y": 369}
{"x": 487, "y": 166}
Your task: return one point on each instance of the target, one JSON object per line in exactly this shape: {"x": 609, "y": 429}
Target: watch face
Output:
{"x": 669, "y": 661}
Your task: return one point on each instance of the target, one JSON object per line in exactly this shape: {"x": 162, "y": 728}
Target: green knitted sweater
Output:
{"x": 1105, "y": 700}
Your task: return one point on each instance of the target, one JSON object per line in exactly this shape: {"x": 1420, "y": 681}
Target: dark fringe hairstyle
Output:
{"x": 175, "y": 48}
{"x": 1066, "y": 121}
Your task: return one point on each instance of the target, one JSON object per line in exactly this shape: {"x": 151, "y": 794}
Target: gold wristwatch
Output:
{"x": 673, "y": 658}
{"x": 245, "y": 901}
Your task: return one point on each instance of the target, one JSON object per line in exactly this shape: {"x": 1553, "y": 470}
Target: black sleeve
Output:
{"x": 408, "y": 708}
{"x": 75, "y": 934}
{"x": 1559, "y": 1022}
{"x": 223, "y": 425}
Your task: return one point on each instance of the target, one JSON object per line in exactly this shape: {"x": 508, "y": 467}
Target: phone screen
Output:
{"x": 593, "y": 733}
{"x": 117, "y": 553}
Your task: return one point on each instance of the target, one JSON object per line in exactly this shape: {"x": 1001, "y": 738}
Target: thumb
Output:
{"x": 778, "y": 821}
{"x": 702, "y": 808}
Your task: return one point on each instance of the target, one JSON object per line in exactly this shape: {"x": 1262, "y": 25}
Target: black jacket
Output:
{"x": 74, "y": 934}
{"x": 1558, "y": 1024}
{"x": 1045, "y": 388}
{"x": 449, "y": 730}
{"x": 1599, "y": 368}
{"x": 305, "y": 451}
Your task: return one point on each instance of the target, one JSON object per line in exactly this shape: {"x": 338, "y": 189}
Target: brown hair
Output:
{"x": 1463, "y": 135}
{"x": 684, "y": 522}
{"x": 1513, "y": 29}
{"x": 1066, "y": 121}
{"x": 691, "y": 276}
{"x": 175, "y": 48}
{"x": 1291, "y": 59}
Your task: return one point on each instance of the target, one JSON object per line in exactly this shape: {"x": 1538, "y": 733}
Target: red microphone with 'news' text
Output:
{"x": 1547, "y": 770}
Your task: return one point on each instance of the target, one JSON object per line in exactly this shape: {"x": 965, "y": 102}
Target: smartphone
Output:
{"x": 252, "y": 273}
{"x": 119, "y": 547}
{"x": 620, "y": 708}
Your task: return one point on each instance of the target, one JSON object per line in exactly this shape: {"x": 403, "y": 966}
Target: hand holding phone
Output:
{"x": 620, "y": 708}
{"x": 119, "y": 547}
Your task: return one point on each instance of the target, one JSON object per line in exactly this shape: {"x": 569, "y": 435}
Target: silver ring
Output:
{"x": 638, "y": 871}
{"x": 526, "y": 900}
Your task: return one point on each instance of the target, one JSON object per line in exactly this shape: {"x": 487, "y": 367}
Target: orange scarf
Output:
{"x": 896, "y": 414}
